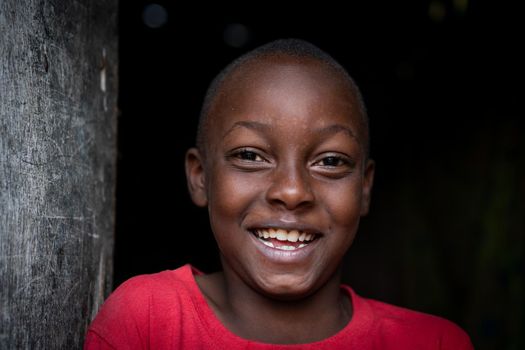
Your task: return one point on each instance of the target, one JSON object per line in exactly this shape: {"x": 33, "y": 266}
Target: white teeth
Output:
{"x": 286, "y": 247}
{"x": 281, "y": 235}
{"x": 269, "y": 244}
{"x": 293, "y": 236}
{"x": 283, "y": 247}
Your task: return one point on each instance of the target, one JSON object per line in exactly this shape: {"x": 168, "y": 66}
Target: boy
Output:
{"x": 282, "y": 165}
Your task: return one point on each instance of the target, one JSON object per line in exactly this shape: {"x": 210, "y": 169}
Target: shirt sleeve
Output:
{"x": 123, "y": 320}
{"x": 95, "y": 342}
{"x": 456, "y": 338}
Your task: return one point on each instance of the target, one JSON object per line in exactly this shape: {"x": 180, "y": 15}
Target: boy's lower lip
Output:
{"x": 281, "y": 255}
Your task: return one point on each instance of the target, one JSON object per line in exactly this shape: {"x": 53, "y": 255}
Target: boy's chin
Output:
{"x": 285, "y": 288}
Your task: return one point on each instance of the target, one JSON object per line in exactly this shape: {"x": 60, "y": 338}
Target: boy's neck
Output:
{"x": 254, "y": 316}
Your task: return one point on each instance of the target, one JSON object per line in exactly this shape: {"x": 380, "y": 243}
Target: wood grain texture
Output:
{"x": 58, "y": 96}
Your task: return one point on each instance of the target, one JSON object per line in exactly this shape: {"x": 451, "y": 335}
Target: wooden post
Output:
{"x": 58, "y": 93}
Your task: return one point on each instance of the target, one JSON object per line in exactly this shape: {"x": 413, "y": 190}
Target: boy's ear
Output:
{"x": 368, "y": 182}
{"x": 195, "y": 177}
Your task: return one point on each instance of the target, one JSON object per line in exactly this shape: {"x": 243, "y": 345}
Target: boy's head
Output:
{"x": 282, "y": 166}
{"x": 286, "y": 49}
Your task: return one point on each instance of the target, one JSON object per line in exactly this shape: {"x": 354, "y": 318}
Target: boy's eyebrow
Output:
{"x": 247, "y": 124}
{"x": 330, "y": 129}
{"x": 335, "y": 128}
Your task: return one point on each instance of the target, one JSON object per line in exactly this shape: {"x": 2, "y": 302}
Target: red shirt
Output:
{"x": 167, "y": 310}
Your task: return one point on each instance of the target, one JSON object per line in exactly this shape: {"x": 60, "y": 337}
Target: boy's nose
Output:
{"x": 290, "y": 188}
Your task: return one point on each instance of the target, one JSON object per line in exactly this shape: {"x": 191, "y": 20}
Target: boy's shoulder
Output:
{"x": 155, "y": 286}
{"x": 166, "y": 279}
{"x": 125, "y": 317}
{"x": 409, "y": 326}
{"x": 151, "y": 292}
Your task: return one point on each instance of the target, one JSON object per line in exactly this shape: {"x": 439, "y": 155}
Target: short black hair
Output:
{"x": 295, "y": 48}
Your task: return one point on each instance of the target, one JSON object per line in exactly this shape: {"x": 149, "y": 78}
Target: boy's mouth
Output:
{"x": 284, "y": 239}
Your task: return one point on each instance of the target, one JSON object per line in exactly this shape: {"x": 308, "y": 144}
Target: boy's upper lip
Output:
{"x": 286, "y": 225}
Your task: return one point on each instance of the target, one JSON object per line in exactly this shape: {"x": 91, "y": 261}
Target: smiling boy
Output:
{"x": 282, "y": 165}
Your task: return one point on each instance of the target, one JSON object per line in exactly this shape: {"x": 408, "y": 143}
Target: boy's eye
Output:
{"x": 334, "y": 165}
{"x": 248, "y": 155}
{"x": 332, "y": 161}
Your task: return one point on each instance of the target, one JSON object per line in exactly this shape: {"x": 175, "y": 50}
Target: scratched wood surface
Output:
{"x": 58, "y": 93}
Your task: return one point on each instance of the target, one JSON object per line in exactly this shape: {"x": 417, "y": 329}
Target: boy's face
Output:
{"x": 285, "y": 157}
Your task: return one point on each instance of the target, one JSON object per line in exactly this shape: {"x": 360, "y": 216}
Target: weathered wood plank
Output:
{"x": 58, "y": 93}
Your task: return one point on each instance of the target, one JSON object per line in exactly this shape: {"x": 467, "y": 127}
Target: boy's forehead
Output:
{"x": 274, "y": 69}
{"x": 280, "y": 80}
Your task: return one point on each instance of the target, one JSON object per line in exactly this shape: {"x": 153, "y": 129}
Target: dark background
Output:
{"x": 443, "y": 83}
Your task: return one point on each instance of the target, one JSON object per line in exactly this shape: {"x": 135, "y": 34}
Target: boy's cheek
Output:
{"x": 233, "y": 191}
{"x": 344, "y": 203}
